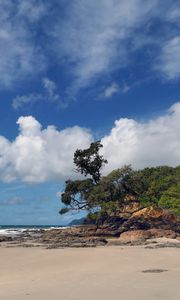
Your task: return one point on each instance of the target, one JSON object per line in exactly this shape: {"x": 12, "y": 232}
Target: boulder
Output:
{"x": 134, "y": 236}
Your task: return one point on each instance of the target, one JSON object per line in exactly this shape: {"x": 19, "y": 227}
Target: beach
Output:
{"x": 113, "y": 272}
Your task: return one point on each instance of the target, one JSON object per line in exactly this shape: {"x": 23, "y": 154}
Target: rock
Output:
{"x": 134, "y": 224}
{"x": 153, "y": 213}
{"x": 131, "y": 205}
{"x": 115, "y": 242}
{"x": 130, "y": 208}
{"x": 155, "y": 218}
{"x": 164, "y": 243}
{"x": 158, "y": 233}
{"x": 134, "y": 236}
{"x": 107, "y": 231}
{"x": 79, "y": 236}
{"x": 5, "y": 239}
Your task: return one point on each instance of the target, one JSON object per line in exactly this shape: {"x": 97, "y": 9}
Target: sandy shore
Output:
{"x": 107, "y": 273}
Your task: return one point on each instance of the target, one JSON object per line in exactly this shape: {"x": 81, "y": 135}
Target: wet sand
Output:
{"x": 107, "y": 273}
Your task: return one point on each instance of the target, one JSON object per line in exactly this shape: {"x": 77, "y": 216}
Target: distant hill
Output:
{"x": 76, "y": 222}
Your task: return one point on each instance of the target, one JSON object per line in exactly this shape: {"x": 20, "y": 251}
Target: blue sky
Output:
{"x": 75, "y": 71}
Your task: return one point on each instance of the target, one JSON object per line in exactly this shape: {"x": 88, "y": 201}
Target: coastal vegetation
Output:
{"x": 102, "y": 196}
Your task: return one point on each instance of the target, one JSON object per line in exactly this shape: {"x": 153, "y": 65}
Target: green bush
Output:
{"x": 171, "y": 199}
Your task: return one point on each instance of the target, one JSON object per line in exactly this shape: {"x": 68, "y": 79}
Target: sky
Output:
{"x": 72, "y": 72}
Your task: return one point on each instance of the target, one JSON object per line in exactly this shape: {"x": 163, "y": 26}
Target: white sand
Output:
{"x": 107, "y": 273}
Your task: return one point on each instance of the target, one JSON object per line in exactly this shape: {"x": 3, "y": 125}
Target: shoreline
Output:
{"x": 89, "y": 236}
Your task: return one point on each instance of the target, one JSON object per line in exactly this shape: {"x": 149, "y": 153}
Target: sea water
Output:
{"x": 13, "y": 230}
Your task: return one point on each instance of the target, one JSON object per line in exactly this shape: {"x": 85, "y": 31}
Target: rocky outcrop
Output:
{"x": 131, "y": 216}
{"x": 156, "y": 218}
{"x": 139, "y": 236}
{"x": 153, "y": 213}
{"x": 79, "y": 236}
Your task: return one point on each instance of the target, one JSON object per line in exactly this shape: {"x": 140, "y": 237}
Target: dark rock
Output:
{"x": 5, "y": 239}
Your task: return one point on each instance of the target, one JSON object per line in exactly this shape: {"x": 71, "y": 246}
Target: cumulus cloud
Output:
{"x": 152, "y": 143}
{"x": 39, "y": 155}
{"x": 169, "y": 61}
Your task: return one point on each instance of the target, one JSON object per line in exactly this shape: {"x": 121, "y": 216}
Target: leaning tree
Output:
{"x": 77, "y": 193}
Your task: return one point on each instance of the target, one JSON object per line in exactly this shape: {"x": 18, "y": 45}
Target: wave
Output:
{"x": 20, "y": 229}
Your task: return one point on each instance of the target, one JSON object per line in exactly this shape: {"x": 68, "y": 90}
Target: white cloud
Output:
{"x": 50, "y": 93}
{"x": 39, "y": 155}
{"x": 93, "y": 38}
{"x": 96, "y": 38}
{"x": 114, "y": 88}
{"x": 34, "y": 10}
{"x": 51, "y": 90}
{"x": 50, "y": 86}
{"x": 90, "y": 39}
{"x": 19, "y": 55}
{"x": 169, "y": 61}
{"x": 111, "y": 90}
{"x": 152, "y": 143}
{"x": 24, "y": 100}
{"x": 173, "y": 12}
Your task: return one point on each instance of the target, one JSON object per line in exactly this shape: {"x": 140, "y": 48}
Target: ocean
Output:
{"x": 12, "y": 230}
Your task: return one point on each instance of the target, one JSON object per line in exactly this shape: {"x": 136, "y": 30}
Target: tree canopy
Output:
{"x": 89, "y": 161}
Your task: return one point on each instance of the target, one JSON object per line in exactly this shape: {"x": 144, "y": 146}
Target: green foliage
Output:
{"x": 161, "y": 188}
{"x": 157, "y": 180}
{"x": 146, "y": 201}
{"x": 171, "y": 199}
{"x": 89, "y": 161}
{"x": 113, "y": 187}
